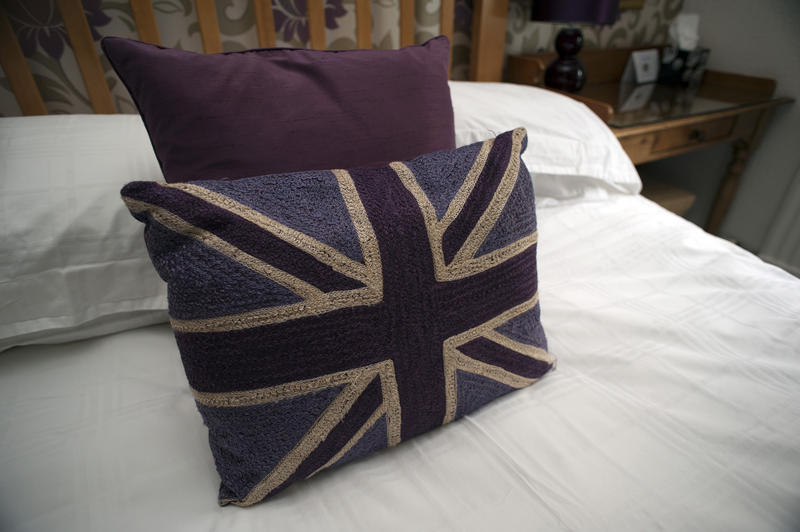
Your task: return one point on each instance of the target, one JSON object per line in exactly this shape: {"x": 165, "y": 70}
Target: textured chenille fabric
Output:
{"x": 252, "y": 112}
{"x": 325, "y": 315}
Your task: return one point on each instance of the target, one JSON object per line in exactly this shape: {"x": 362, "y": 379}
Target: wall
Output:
{"x": 761, "y": 39}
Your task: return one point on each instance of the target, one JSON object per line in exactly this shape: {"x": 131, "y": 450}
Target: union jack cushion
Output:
{"x": 324, "y": 315}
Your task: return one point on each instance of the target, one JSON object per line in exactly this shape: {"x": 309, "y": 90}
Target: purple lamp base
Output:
{"x": 567, "y": 73}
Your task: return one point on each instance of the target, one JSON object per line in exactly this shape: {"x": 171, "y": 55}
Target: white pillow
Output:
{"x": 72, "y": 260}
{"x": 571, "y": 153}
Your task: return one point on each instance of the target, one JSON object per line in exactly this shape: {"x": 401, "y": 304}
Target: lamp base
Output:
{"x": 567, "y": 73}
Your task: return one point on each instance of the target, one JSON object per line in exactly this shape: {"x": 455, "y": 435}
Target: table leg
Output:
{"x": 742, "y": 148}
{"x": 728, "y": 187}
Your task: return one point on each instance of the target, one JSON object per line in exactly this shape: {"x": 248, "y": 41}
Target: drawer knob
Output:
{"x": 698, "y": 135}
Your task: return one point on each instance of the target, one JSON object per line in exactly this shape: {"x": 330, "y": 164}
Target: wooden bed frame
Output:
{"x": 488, "y": 41}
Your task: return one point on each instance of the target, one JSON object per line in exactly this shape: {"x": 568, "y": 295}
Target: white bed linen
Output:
{"x": 675, "y": 406}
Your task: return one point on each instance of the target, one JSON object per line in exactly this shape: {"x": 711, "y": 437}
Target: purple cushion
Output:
{"x": 325, "y": 315}
{"x": 276, "y": 110}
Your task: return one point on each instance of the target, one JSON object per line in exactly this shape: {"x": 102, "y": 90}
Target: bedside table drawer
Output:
{"x": 685, "y": 136}
{"x": 639, "y": 147}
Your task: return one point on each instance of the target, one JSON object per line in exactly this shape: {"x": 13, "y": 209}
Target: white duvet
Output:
{"x": 675, "y": 406}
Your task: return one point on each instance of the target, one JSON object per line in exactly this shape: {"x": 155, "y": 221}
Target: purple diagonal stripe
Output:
{"x": 254, "y": 439}
{"x": 243, "y": 234}
{"x": 359, "y": 413}
{"x": 205, "y": 283}
{"x": 517, "y": 220}
{"x": 441, "y": 174}
{"x": 480, "y": 197}
{"x": 497, "y": 355}
{"x": 373, "y": 439}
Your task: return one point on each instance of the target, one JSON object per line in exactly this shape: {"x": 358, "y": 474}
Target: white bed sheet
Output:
{"x": 675, "y": 406}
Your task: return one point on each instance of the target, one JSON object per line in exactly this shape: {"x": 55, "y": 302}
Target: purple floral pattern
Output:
{"x": 38, "y": 27}
{"x": 291, "y": 21}
{"x": 39, "y": 24}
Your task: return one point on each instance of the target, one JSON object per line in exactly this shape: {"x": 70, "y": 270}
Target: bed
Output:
{"x": 675, "y": 403}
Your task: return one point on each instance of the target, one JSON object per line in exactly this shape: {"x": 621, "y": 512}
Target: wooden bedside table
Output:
{"x": 661, "y": 121}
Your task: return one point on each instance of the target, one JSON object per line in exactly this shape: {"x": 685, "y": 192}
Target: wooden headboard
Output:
{"x": 486, "y": 62}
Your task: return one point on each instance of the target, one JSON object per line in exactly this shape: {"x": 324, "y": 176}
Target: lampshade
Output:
{"x": 589, "y": 11}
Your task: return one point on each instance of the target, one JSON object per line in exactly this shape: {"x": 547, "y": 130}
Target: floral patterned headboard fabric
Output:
{"x": 42, "y": 36}
{"x": 39, "y": 29}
